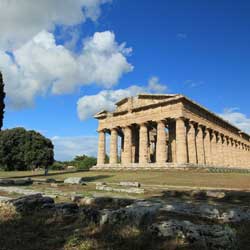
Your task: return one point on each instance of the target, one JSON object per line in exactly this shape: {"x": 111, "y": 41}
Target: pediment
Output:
{"x": 101, "y": 114}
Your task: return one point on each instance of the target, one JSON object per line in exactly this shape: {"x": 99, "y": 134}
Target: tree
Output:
{"x": 84, "y": 162}
{"x": 2, "y": 96}
{"x": 21, "y": 149}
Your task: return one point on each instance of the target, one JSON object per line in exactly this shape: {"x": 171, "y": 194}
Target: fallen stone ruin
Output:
{"x": 211, "y": 233}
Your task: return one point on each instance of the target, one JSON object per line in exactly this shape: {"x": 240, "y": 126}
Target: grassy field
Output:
{"x": 176, "y": 178}
{"x": 46, "y": 231}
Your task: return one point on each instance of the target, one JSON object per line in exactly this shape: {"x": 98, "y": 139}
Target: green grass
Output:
{"x": 188, "y": 178}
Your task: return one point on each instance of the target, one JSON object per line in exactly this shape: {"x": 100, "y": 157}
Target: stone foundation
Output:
{"x": 157, "y": 166}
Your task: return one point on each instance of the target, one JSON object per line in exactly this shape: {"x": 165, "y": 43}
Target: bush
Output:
{"x": 57, "y": 165}
{"x": 84, "y": 162}
{"x": 24, "y": 150}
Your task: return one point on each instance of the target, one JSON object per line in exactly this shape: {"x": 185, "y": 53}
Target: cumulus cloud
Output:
{"x": 22, "y": 20}
{"x": 106, "y": 99}
{"x": 154, "y": 85}
{"x": 240, "y": 120}
{"x": 66, "y": 148}
{"x": 41, "y": 65}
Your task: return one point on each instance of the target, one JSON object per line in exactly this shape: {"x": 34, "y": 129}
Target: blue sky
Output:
{"x": 83, "y": 56}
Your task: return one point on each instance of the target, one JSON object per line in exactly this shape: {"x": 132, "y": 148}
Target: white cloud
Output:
{"x": 155, "y": 86}
{"x": 66, "y": 148}
{"x": 106, "y": 99}
{"x": 87, "y": 106}
{"x": 41, "y": 65}
{"x": 20, "y": 20}
{"x": 238, "y": 119}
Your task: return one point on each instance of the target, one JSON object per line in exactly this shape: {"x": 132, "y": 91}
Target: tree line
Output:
{"x": 22, "y": 149}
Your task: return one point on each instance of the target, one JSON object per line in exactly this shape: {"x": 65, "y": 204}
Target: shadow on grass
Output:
{"x": 96, "y": 177}
{"x": 42, "y": 174}
{"x": 223, "y": 197}
{"x": 42, "y": 231}
{"x": 46, "y": 230}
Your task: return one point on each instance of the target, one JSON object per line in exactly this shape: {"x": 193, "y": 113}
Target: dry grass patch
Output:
{"x": 7, "y": 212}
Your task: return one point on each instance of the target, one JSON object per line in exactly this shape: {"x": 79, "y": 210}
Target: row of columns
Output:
{"x": 209, "y": 147}
{"x": 189, "y": 142}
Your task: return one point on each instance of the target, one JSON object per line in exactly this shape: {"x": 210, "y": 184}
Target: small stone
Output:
{"x": 216, "y": 194}
{"x": 129, "y": 184}
{"x": 22, "y": 182}
{"x": 6, "y": 182}
{"x": 120, "y": 190}
{"x": 74, "y": 180}
{"x": 88, "y": 201}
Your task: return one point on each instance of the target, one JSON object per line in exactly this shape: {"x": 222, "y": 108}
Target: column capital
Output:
{"x": 141, "y": 124}
{"x": 191, "y": 123}
{"x": 161, "y": 121}
{"x": 101, "y": 130}
{"x": 213, "y": 132}
{"x": 127, "y": 126}
{"x": 114, "y": 129}
{"x": 182, "y": 118}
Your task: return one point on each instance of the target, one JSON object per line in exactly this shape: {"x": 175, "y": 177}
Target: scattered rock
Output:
{"x": 129, "y": 184}
{"x": 22, "y": 182}
{"x": 138, "y": 213}
{"x": 30, "y": 203}
{"x": 6, "y": 182}
{"x": 208, "y": 211}
{"x": 18, "y": 190}
{"x": 120, "y": 190}
{"x": 205, "y": 236}
{"x": 90, "y": 214}
{"x": 101, "y": 183}
{"x": 67, "y": 208}
{"x": 74, "y": 180}
{"x": 215, "y": 194}
{"x": 87, "y": 201}
{"x": 15, "y": 182}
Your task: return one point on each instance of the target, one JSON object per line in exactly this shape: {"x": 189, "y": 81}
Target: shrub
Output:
{"x": 23, "y": 150}
{"x": 84, "y": 162}
{"x": 57, "y": 165}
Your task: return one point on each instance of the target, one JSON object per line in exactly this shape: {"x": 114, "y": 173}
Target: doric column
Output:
{"x": 161, "y": 147}
{"x": 181, "y": 141}
{"x": 226, "y": 150}
{"x": 127, "y": 157}
{"x": 220, "y": 150}
{"x": 113, "y": 147}
{"x": 243, "y": 155}
{"x": 223, "y": 150}
{"x": 101, "y": 147}
{"x": 200, "y": 145}
{"x": 143, "y": 141}
{"x": 240, "y": 154}
{"x": 213, "y": 148}
{"x": 248, "y": 156}
{"x": 207, "y": 147}
{"x": 192, "y": 156}
{"x": 231, "y": 152}
{"x": 172, "y": 141}
{"x": 236, "y": 160}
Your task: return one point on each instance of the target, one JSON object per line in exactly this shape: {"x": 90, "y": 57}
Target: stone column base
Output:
{"x": 157, "y": 166}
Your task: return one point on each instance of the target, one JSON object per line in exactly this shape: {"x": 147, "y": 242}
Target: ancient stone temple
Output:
{"x": 162, "y": 131}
